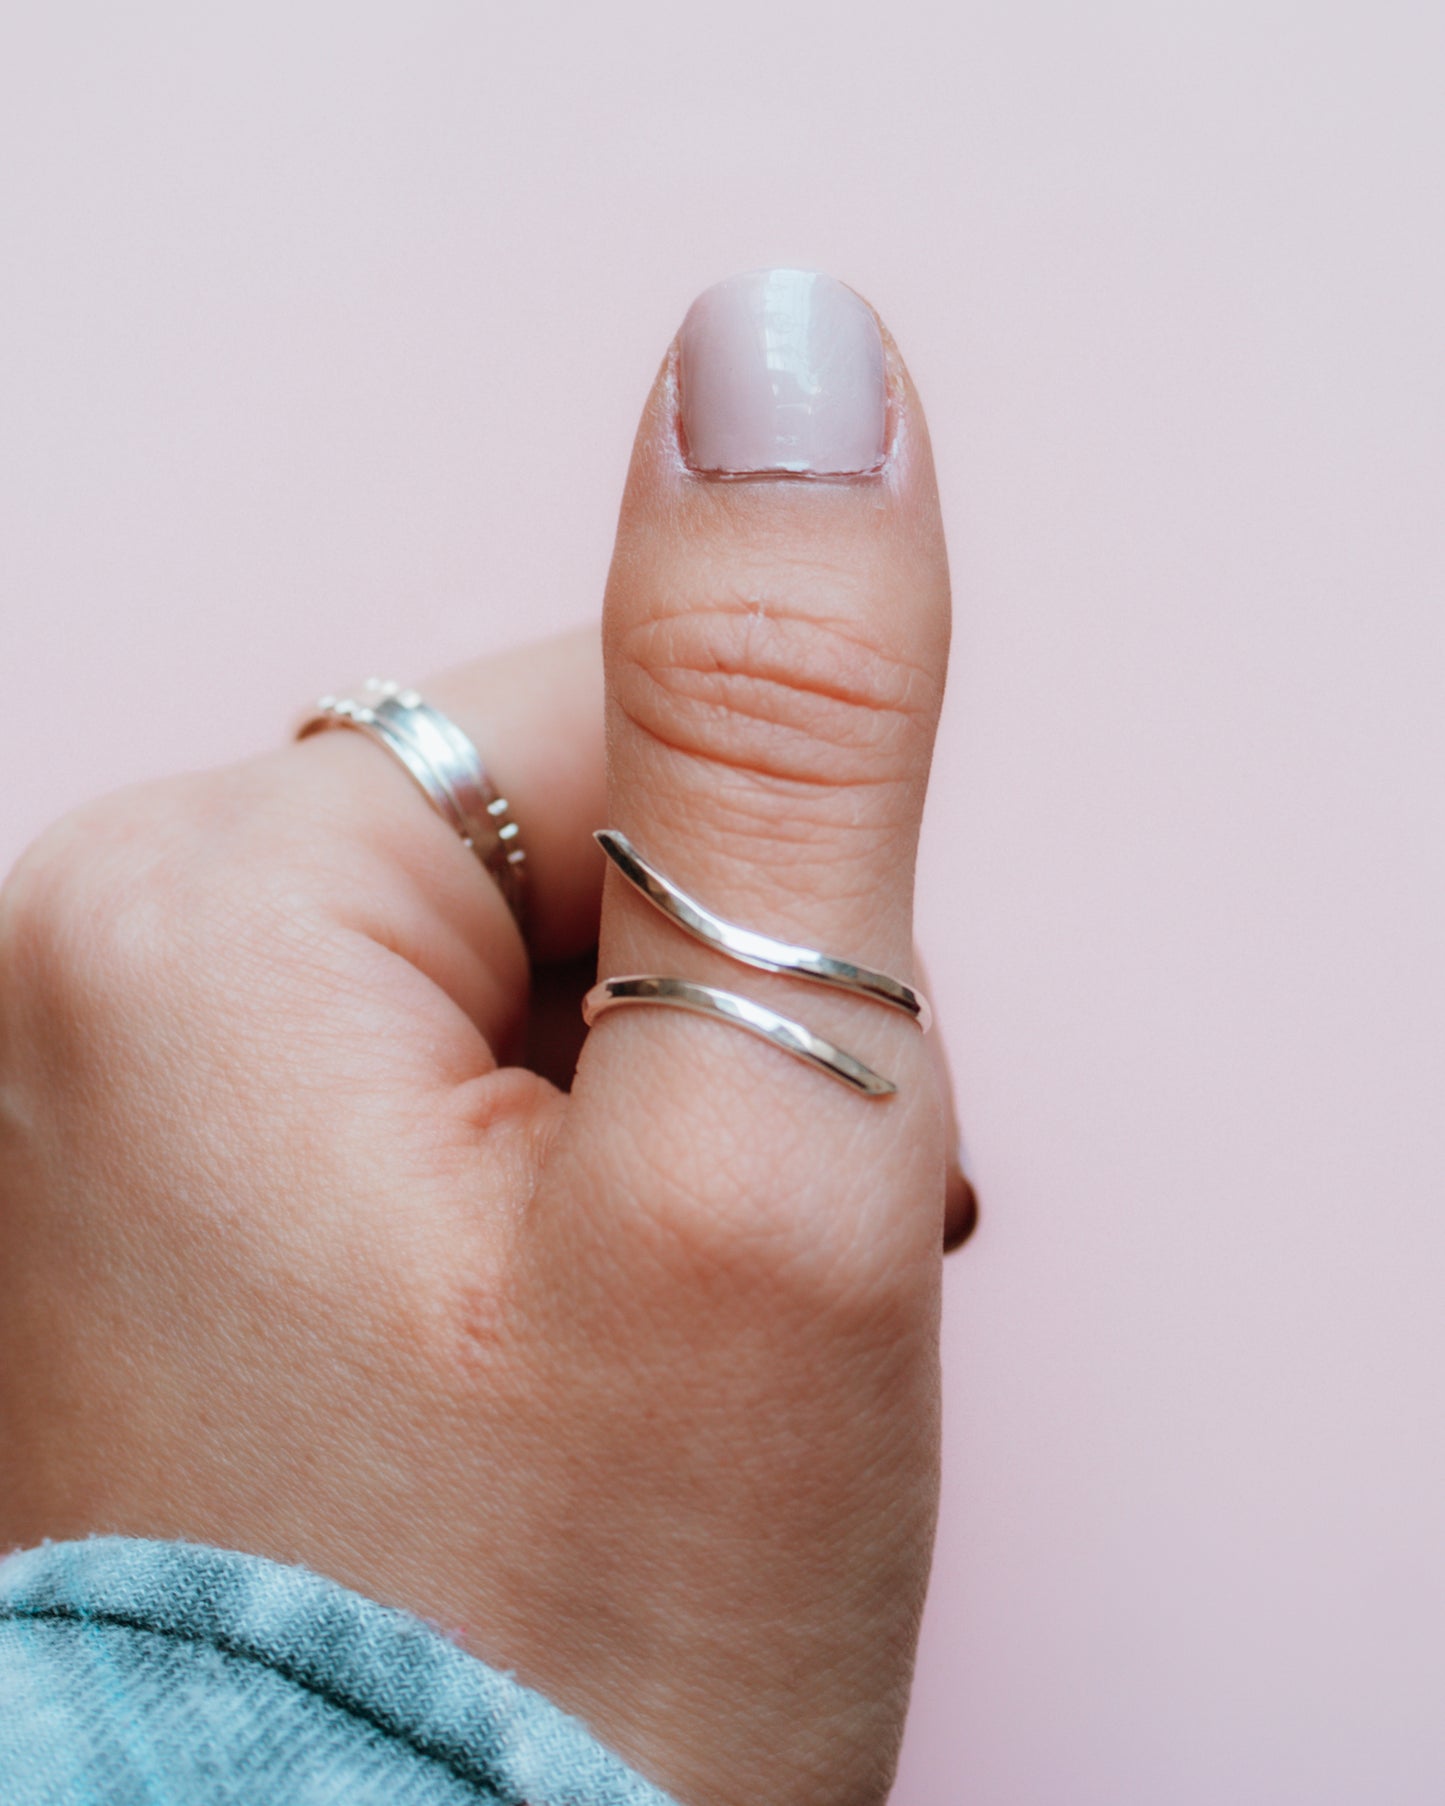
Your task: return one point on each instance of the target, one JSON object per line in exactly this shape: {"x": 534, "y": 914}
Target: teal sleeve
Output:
{"x": 170, "y": 1674}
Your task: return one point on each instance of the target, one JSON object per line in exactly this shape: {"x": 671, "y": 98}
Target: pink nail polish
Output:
{"x": 782, "y": 370}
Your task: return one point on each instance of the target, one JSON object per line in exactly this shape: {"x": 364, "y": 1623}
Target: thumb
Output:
{"x": 775, "y": 637}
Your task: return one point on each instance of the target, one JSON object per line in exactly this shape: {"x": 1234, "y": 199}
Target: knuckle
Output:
{"x": 78, "y": 912}
{"x": 783, "y": 696}
{"x": 166, "y": 898}
{"x": 97, "y": 911}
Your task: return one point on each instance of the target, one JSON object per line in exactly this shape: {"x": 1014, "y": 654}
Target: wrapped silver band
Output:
{"x": 706, "y": 1000}
{"x": 752, "y": 949}
{"x": 444, "y": 765}
{"x": 749, "y": 949}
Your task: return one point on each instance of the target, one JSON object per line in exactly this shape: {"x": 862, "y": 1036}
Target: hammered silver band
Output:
{"x": 446, "y": 768}
{"x": 750, "y": 949}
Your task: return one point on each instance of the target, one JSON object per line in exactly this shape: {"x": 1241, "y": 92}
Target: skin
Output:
{"x": 633, "y": 1388}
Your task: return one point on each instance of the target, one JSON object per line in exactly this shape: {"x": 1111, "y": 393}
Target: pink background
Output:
{"x": 323, "y": 331}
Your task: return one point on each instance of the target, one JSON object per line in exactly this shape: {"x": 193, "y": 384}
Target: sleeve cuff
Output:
{"x": 165, "y": 1671}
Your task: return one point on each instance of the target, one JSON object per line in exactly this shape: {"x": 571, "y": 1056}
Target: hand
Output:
{"x": 636, "y": 1387}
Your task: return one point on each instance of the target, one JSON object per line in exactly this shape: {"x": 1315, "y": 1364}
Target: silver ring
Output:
{"x": 752, "y": 949}
{"x": 749, "y": 949}
{"x": 742, "y": 1012}
{"x": 445, "y": 766}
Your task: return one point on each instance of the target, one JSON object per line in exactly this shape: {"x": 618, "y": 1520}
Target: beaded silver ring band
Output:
{"x": 446, "y": 768}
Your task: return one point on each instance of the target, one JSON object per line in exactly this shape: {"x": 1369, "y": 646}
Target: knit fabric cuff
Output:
{"x": 142, "y": 1673}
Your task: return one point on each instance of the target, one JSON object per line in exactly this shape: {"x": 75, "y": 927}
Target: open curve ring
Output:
{"x": 749, "y": 949}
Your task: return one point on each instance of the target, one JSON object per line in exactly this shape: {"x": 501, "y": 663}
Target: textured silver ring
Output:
{"x": 444, "y": 765}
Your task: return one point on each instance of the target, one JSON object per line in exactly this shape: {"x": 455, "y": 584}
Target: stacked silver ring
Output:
{"x": 445, "y": 766}
{"x": 750, "y": 949}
